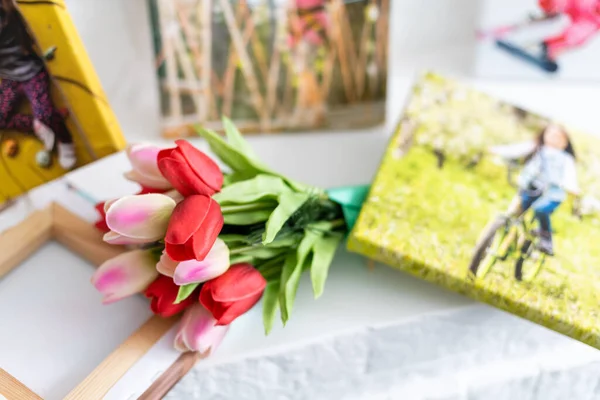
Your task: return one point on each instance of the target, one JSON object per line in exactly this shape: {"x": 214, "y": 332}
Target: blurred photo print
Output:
{"x": 54, "y": 116}
{"x": 539, "y": 39}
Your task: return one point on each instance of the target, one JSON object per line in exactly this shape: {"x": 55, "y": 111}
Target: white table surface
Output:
{"x": 355, "y": 298}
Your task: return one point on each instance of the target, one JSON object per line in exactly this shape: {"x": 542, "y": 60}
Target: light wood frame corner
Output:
{"x": 79, "y": 236}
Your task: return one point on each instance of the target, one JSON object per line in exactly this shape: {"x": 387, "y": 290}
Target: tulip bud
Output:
{"x": 199, "y": 331}
{"x": 144, "y": 160}
{"x": 124, "y": 275}
{"x": 143, "y": 217}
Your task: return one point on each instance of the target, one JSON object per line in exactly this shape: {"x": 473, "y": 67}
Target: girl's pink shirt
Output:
{"x": 577, "y": 10}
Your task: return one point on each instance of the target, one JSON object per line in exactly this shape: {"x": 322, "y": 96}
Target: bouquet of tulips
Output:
{"x": 209, "y": 243}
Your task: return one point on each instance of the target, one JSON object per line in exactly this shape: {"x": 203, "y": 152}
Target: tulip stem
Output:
{"x": 246, "y": 207}
{"x": 240, "y": 250}
{"x": 336, "y": 223}
{"x": 272, "y": 268}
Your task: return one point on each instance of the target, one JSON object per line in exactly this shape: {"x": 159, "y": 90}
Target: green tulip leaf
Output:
{"x": 286, "y": 272}
{"x": 286, "y": 242}
{"x": 244, "y": 166}
{"x": 231, "y": 178}
{"x": 289, "y": 203}
{"x": 233, "y": 239}
{"x": 241, "y": 165}
{"x": 323, "y": 252}
{"x": 292, "y": 270}
{"x": 236, "y": 140}
{"x": 247, "y": 218}
{"x": 185, "y": 291}
{"x": 270, "y": 304}
{"x": 261, "y": 252}
{"x": 241, "y": 258}
{"x": 261, "y": 187}
{"x": 306, "y": 245}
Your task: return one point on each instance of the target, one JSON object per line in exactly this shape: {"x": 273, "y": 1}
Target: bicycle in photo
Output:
{"x": 511, "y": 236}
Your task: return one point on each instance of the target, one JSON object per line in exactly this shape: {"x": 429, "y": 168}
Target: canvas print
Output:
{"x": 54, "y": 115}
{"x": 492, "y": 201}
{"x": 271, "y": 65}
{"x": 539, "y": 39}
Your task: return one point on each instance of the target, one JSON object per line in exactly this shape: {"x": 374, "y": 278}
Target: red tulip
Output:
{"x": 189, "y": 170}
{"x": 101, "y": 223}
{"x": 233, "y": 293}
{"x": 163, "y": 292}
{"x": 193, "y": 228}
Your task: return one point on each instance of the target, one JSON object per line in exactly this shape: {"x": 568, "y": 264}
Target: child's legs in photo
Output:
{"x": 49, "y": 124}
{"x": 543, "y": 208}
{"x": 10, "y": 93}
{"x": 526, "y": 200}
{"x": 37, "y": 90}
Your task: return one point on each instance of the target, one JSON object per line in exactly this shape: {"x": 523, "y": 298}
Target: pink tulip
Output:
{"x": 107, "y": 204}
{"x": 143, "y": 158}
{"x": 214, "y": 264}
{"x": 198, "y": 331}
{"x": 124, "y": 275}
{"x": 114, "y": 238}
{"x": 166, "y": 266}
{"x": 139, "y": 219}
{"x": 175, "y": 195}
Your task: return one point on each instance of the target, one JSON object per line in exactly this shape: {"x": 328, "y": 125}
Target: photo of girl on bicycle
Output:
{"x": 493, "y": 201}
{"x": 547, "y": 178}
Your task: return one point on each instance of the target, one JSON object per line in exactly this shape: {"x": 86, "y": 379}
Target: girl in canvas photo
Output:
{"x": 23, "y": 73}
{"x": 547, "y": 178}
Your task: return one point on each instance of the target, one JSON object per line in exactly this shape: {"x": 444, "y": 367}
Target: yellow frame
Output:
{"x": 75, "y": 86}
{"x": 56, "y": 223}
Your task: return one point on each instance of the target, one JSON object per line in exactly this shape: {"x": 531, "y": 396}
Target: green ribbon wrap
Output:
{"x": 351, "y": 199}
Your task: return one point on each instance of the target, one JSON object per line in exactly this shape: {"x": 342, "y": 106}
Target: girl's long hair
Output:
{"x": 539, "y": 142}
{"x": 9, "y": 11}
{"x": 7, "y": 7}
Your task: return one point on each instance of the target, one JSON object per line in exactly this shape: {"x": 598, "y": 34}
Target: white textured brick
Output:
{"x": 475, "y": 353}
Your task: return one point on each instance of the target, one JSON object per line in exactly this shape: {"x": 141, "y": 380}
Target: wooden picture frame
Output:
{"x": 58, "y": 224}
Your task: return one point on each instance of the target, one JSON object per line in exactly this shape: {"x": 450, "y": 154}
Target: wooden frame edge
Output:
{"x": 11, "y": 388}
{"x": 57, "y": 223}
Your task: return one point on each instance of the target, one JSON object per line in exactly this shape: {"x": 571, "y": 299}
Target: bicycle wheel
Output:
{"x": 484, "y": 256}
{"x": 529, "y": 263}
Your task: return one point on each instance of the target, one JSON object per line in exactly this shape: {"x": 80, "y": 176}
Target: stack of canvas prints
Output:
{"x": 271, "y": 65}
{"x": 54, "y": 115}
{"x": 492, "y": 201}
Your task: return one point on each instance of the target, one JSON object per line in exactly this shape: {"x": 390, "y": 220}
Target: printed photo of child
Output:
{"x": 54, "y": 115}
{"x": 23, "y": 74}
{"x": 493, "y": 201}
{"x": 539, "y": 39}
{"x": 547, "y": 178}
